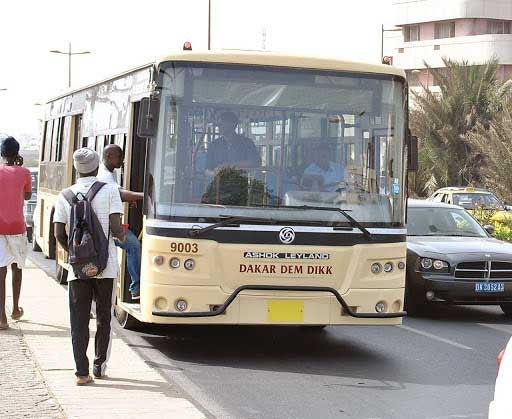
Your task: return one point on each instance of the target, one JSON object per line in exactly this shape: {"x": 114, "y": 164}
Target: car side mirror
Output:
{"x": 490, "y": 229}
{"x": 147, "y": 123}
{"x": 412, "y": 154}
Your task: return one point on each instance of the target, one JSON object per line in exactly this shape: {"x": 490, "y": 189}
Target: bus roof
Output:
{"x": 254, "y": 58}
{"x": 281, "y": 60}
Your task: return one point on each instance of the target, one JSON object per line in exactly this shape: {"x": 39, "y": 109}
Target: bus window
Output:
{"x": 48, "y": 140}
{"x": 55, "y": 139}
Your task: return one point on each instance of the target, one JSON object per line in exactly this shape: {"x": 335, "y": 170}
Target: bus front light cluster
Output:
{"x": 377, "y": 268}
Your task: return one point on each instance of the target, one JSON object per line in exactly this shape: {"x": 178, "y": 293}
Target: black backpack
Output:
{"x": 88, "y": 246}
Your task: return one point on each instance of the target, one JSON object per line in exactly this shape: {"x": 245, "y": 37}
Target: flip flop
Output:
{"x": 18, "y": 316}
{"x": 82, "y": 381}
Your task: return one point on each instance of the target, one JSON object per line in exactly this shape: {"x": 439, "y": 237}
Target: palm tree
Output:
{"x": 469, "y": 95}
{"x": 495, "y": 143}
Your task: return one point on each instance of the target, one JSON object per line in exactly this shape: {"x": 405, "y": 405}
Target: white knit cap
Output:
{"x": 85, "y": 160}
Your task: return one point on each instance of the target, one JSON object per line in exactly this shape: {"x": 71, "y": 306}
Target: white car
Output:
{"x": 501, "y": 406}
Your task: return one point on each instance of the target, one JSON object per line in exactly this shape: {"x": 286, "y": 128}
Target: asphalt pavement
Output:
{"x": 442, "y": 365}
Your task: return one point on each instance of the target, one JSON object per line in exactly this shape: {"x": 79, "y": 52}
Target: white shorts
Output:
{"x": 13, "y": 249}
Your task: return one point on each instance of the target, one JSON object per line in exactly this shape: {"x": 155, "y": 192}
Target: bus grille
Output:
{"x": 484, "y": 270}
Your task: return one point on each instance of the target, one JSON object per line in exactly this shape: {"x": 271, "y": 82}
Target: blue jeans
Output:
{"x": 133, "y": 255}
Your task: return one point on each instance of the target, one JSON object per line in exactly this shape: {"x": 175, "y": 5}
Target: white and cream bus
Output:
{"x": 259, "y": 242}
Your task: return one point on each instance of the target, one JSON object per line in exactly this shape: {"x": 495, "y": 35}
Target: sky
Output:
{"x": 122, "y": 34}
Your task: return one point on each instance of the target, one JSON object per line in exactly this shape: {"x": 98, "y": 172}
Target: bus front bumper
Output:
{"x": 271, "y": 304}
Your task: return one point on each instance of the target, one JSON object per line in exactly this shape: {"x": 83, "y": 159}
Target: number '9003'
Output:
{"x": 184, "y": 247}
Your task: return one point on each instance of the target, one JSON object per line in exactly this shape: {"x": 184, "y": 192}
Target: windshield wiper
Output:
{"x": 194, "y": 232}
{"x": 352, "y": 221}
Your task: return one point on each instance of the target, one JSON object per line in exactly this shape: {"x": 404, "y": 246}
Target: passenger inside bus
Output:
{"x": 230, "y": 149}
{"x": 323, "y": 174}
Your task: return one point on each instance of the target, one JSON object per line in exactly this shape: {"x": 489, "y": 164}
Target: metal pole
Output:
{"x": 381, "y": 42}
{"x": 209, "y": 22}
{"x": 69, "y": 66}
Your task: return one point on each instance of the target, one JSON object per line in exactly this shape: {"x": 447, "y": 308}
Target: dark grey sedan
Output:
{"x": 452, "y": 259}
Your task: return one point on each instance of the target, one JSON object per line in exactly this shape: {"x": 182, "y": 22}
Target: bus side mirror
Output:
{"x": 412, "y": 154}
{"x": 147, "y": 123}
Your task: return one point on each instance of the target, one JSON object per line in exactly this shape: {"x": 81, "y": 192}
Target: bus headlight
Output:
{"x": 175, "y": 263}
{"x": 401, "y": 265}
{"x": 376, "y": 268}
{"x": 388, "y": 267}
{"x": 189, "y": 264}
{"x": 181, "y": 305}
{"x": 380, "y": 307}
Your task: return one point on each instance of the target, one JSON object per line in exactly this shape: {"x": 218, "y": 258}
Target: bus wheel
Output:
{"x": 315, "y": 328}
{"x": 125, "y": 319}
{"x": 62, "y": 275}
{"x": 35, "y": 246}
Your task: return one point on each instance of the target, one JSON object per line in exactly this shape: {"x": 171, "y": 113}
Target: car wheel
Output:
{"x": 62, "y": 275}
{"x": 507, "y": 309}
{"x": 35, "y": 246}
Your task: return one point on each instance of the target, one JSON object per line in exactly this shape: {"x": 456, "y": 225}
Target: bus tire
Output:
{"x": 313, "y": 328}
{"x": 507, "y": 309}
{"x": 62, "y": 274}
{"x": 35, "y": 246}
{"x": 125, "y": 319}
{"x": 52, "y": 243}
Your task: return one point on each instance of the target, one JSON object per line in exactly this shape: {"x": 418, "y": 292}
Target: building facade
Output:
{"x": 470, "y": 30}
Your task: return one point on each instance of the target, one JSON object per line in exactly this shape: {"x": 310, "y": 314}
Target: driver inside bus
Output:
{"x": 231, "y": 148}
{"x": 323, "y": 174}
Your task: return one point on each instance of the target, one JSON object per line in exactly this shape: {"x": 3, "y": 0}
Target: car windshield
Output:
{"x": 438, "y": 221}
{"x": 473, "y": 200}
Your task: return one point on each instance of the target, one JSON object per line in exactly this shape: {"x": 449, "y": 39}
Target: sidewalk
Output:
{"x": 37, "y": 375}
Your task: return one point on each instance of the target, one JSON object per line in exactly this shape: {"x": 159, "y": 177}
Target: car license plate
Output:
{"x": 489, "y": 287}
{"x": 285, "y": 311}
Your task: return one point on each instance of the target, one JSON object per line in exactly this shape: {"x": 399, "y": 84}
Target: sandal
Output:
{"x": 19, "y": 315}
{"x": 82, "y": 381}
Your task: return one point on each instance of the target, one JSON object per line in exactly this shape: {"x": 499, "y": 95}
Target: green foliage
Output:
{"x": 502, "y": 229}
{"x": 469, "y": 96}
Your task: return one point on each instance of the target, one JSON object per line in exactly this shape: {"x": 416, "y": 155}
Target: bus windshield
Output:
{"x": 250, "y": 141}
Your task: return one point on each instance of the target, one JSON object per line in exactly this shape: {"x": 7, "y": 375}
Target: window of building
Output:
{"x": 444, "y": 30}
{"x": 498, "y": 27}
{"x": 411, "y": 33}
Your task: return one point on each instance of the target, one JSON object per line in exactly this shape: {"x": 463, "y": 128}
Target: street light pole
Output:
{"x": 382, "y": 30}
{"x": 69, "y": 53}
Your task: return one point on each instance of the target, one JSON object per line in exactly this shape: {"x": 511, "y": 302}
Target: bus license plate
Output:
{"x": 285, "y": 311}
{"x": 489, "y": 287}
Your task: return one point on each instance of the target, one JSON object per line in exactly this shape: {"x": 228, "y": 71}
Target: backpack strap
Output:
{"x": 69, "y": 196}
{"x": 93, "y": 190}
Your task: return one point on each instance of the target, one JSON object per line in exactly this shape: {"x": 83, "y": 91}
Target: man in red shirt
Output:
{"x": 16, "y": 185}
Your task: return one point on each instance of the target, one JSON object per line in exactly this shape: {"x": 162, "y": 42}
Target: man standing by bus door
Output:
{"x": 113, "y": 158}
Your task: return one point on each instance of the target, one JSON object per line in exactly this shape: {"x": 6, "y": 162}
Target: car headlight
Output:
{"x": 434, "y": 265}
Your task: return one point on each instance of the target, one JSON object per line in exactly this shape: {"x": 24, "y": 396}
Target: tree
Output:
{"x": 468, "y": 95}
{"x": 495, "y": 144}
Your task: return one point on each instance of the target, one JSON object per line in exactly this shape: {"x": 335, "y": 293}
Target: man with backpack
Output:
{"x": 91, "y": 211}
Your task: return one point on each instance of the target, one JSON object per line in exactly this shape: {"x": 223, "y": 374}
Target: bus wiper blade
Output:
{"x": 195, "y": 232}
{"x": 353, "y": 222}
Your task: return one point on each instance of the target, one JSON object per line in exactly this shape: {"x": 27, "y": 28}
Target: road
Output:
{"x": 439, "y": 366}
